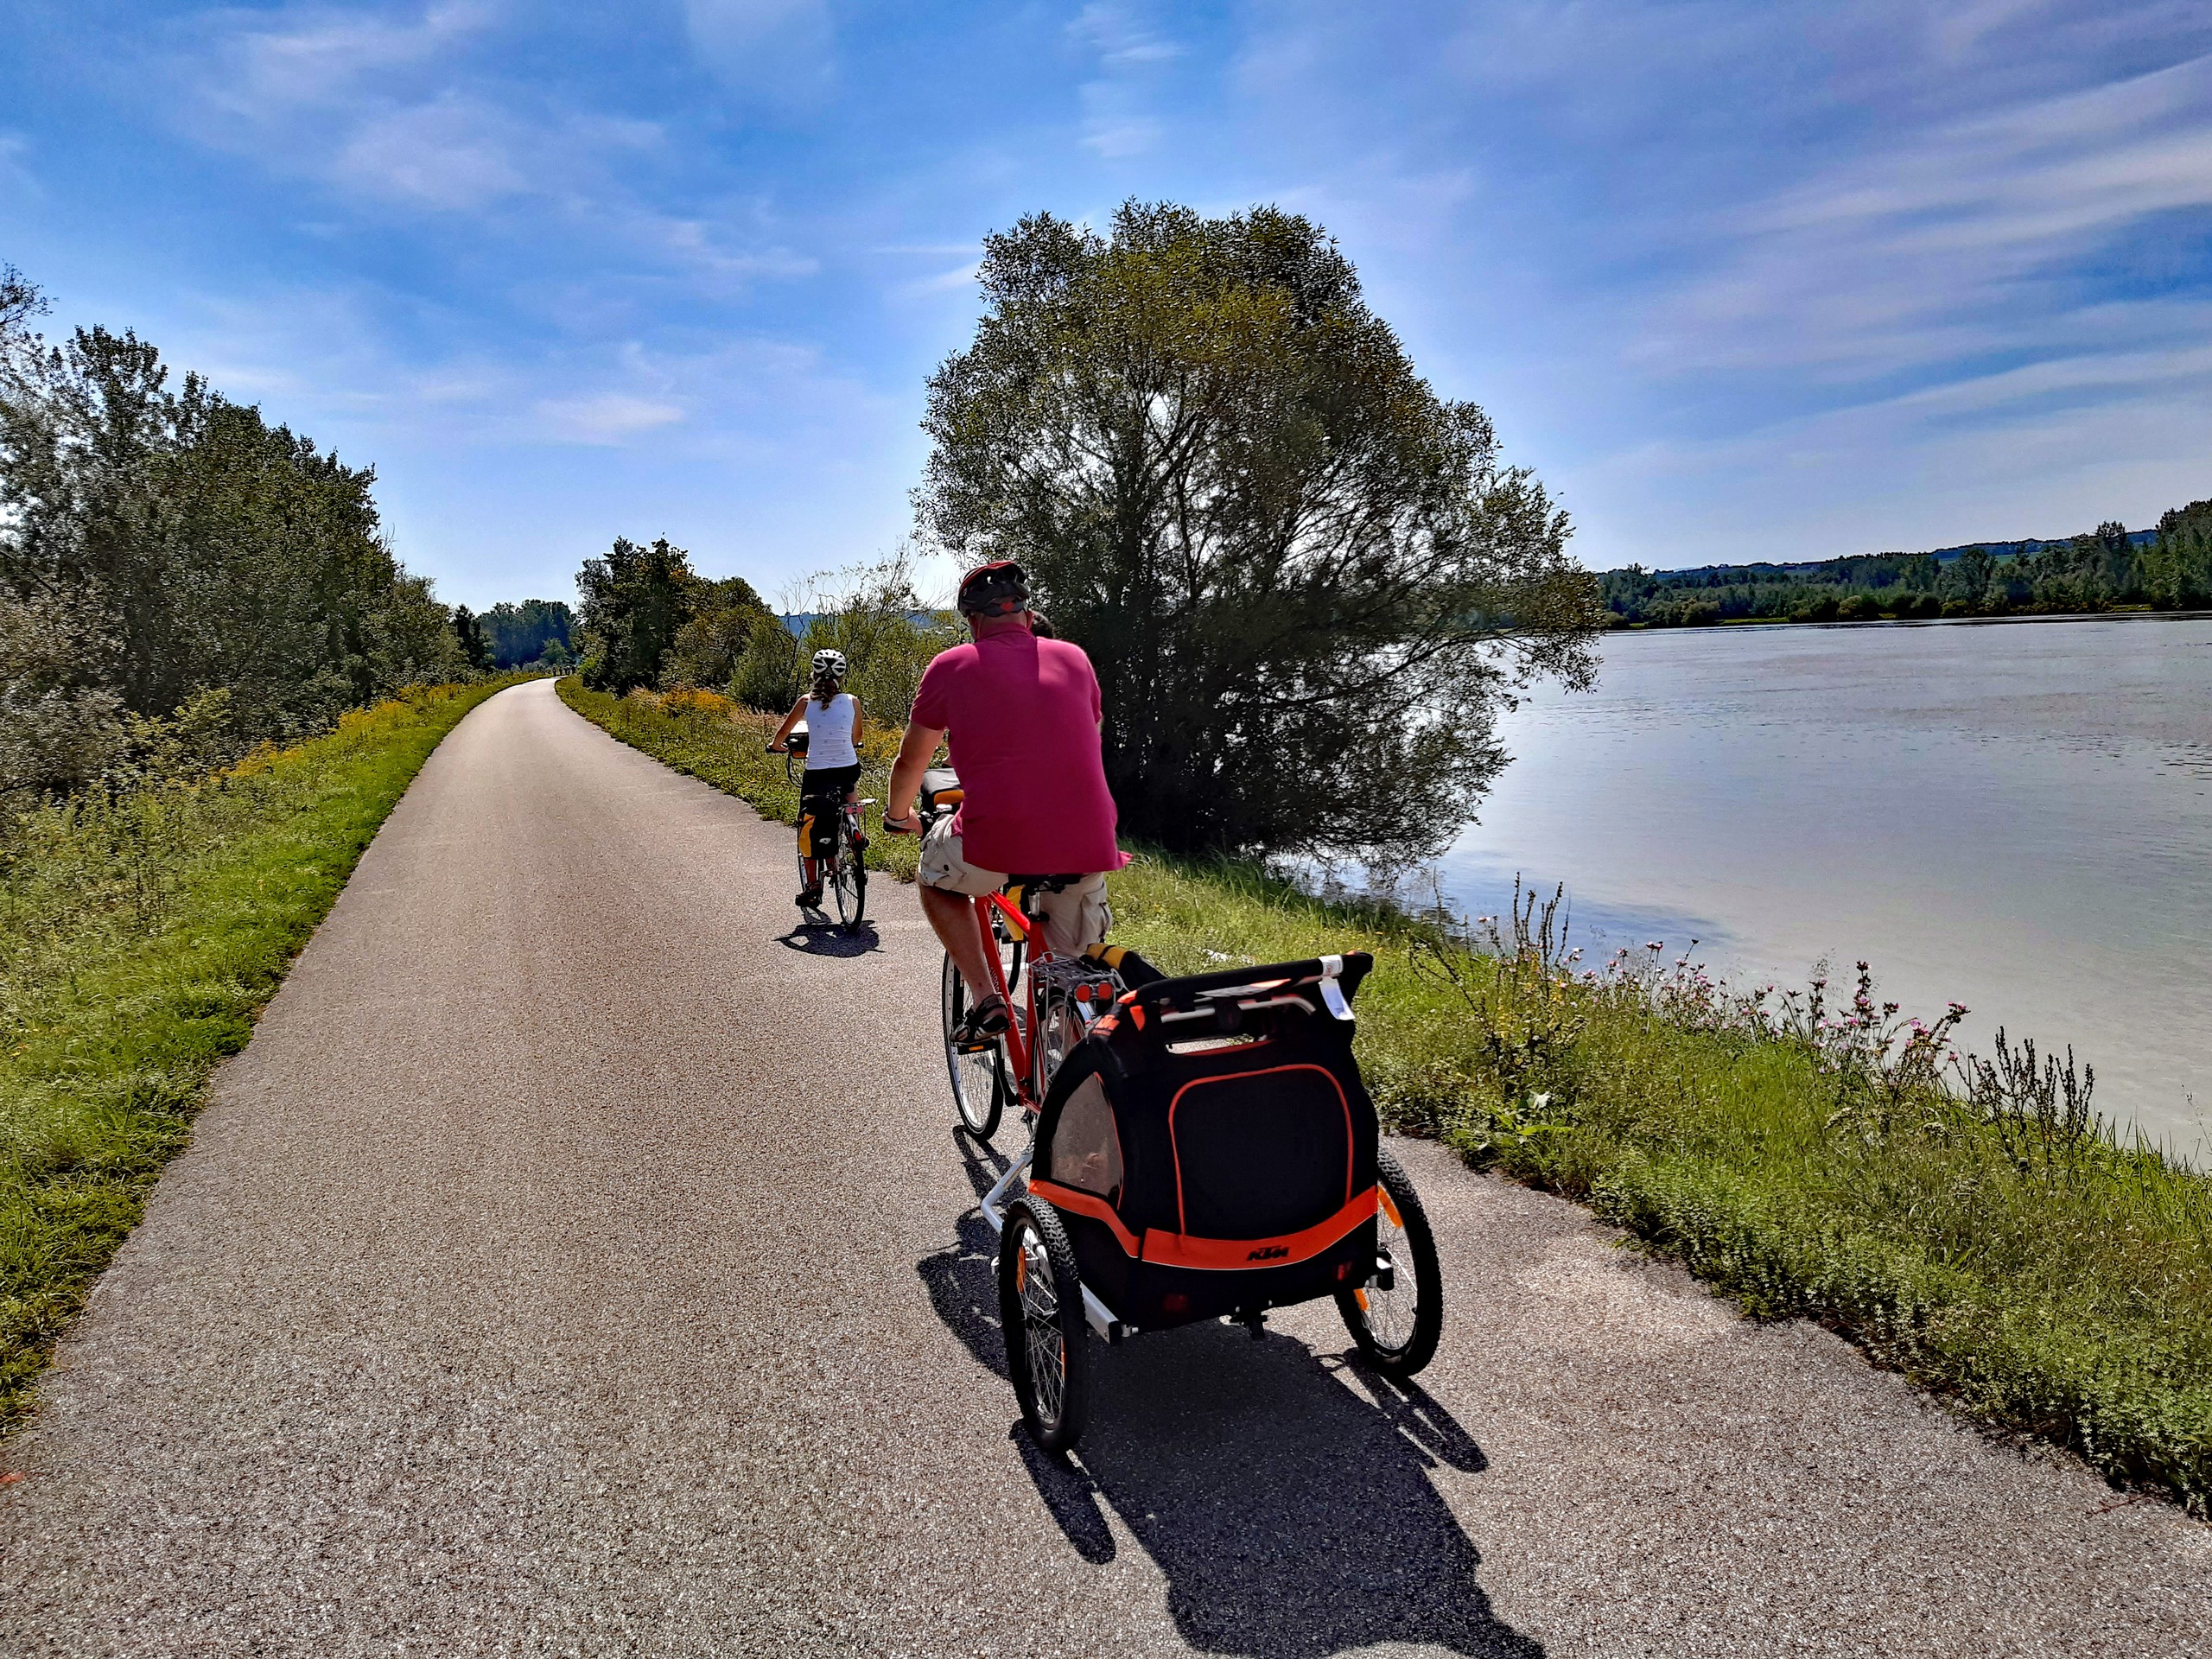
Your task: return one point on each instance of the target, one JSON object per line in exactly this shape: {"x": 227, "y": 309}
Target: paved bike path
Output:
{"x": 577, "y": 1261}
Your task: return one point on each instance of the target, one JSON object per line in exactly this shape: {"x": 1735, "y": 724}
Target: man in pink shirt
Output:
{"x": 1023, "y": 715}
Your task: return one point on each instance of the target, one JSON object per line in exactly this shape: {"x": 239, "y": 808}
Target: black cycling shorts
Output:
{"x": 821, "y": 792}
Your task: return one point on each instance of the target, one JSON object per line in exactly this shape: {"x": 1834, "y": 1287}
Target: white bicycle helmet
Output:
{"x": 829, "y": 665}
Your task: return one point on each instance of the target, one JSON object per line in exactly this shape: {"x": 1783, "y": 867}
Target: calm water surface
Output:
{"x": 2017, "y": 817}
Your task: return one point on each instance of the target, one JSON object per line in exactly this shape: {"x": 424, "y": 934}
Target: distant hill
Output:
{"x": 1941, "y": 555}
{"x": 2168, "y": 568}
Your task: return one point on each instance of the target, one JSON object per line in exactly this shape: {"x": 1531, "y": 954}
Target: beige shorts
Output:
{"x": 1074, "y": 917}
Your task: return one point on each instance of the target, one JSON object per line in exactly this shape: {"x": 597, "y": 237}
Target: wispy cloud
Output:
{"x": 370, "y": 101}
{"x": 411, "y": 112}
{"x": 608, "y": 419}
{"x": 1132, "y": 50}
{"x": 15, "y": 164}
{"x": 1961, "y": 238}
{"x": 774, "y": 53}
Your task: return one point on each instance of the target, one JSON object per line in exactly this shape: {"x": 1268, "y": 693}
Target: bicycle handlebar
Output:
{"x": 1350, "y": 968}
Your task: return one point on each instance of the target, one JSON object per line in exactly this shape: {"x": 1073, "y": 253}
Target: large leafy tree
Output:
{"x": 205, "y": 558}
{"x": 468, "y": 635}
{"x": 725, "y": 615}
{"x": 635, "y": 601}
{"x": 1308, "y": 583}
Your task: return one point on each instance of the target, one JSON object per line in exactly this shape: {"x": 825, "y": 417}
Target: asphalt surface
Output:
{"x": 580, "y": 1261}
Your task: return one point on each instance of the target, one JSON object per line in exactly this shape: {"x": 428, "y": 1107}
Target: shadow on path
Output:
{"x": 1291, "y": 1513}
{"x": 823, "y": 938}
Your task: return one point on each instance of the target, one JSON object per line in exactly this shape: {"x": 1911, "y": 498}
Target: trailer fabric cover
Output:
{"x": 1085, "y": 1152}
{"x": 1259, "y": 1153}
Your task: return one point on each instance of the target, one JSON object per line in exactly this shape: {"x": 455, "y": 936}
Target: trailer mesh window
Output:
{"x": 1086, "y": 1152}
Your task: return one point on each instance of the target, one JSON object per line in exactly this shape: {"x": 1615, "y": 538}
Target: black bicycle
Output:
{"x": 843, "y": 867}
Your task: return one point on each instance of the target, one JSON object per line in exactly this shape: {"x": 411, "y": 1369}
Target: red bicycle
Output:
{"x": 1053, "y": 1000}
{"x": 1196, "y": 1147}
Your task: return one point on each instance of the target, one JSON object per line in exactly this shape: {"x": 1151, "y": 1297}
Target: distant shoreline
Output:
{"x": 1739, "y": 624}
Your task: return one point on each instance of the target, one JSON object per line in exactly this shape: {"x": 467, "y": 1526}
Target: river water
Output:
{"x": 2015, "y": 816}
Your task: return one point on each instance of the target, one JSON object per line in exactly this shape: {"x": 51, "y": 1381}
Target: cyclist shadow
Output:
{"x": 1291, "y": 1513}
{"x": 829, "y": 939}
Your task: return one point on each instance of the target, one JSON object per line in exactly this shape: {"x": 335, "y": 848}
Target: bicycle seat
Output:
{"x": 1044, "y": 883}
{"x": 941, "y": 789}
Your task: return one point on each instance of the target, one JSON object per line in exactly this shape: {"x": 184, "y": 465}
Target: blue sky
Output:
{"x": 1739, "y": 281}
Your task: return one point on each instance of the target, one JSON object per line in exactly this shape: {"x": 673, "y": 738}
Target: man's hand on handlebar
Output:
{"x": 909, "y": 825}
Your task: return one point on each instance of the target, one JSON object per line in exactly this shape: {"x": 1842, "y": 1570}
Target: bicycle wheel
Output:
{"x": 1040, "y": 1312}
{"x": 1059, "y": 1028}
{"x": 848, "y": 881}
{"x": 979, "y": 1088}
{"x": 1397, "y": 1328}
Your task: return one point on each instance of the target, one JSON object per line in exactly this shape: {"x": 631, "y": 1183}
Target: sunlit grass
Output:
{"x": 139, "y": 937}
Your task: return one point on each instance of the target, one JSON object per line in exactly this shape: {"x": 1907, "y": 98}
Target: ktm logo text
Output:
{"x": 1268, "y": 1253}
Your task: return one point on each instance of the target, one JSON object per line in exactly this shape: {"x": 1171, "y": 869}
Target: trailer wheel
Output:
{"x": 1397, "y": 1328}
{"x": 1040, "y": 1311}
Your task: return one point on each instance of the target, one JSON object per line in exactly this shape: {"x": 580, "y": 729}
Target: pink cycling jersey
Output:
{"x": 1021, "y": 715}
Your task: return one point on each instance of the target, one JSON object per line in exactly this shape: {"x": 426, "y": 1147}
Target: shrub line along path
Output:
{"x": 578, "y": 1261}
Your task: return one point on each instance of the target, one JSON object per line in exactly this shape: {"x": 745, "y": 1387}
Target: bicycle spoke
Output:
{"x": 1390, "y": 1312}
{"x": 1042, "y": 1341}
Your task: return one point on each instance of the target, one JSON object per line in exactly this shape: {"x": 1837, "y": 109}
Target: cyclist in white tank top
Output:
{"x": 835, "y": 726}
{"x": 829, "y": 729}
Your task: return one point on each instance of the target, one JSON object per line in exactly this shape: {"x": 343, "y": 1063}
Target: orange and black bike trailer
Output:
{"x": 1208, "y": 1150}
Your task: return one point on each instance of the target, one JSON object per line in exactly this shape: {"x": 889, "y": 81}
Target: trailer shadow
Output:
{"x": 1284, "y": 1491}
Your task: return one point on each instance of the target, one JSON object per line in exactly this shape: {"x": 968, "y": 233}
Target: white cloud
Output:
{"x": 1121, "y": 115}
{"x": 447, "y": 154}
{"x": 14, "y": 166}
{"x": 412, "y": 113}
{"x": 1949, "y": 240}
{"x": 375, "y": 105}
{"x": 611, "y": 418}
{"x": 778, "y": 53}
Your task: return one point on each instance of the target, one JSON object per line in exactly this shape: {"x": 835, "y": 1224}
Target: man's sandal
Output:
{"x": 983, "y": 1024}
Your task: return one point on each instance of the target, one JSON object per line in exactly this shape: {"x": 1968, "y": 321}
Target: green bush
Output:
{"x": 769, "y": 671}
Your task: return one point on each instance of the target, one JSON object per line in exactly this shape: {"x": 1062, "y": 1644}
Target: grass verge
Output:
{"x": 139, "y": 937}
{"x": 2001, "y": 1250}
{"x": 720, "y": 742}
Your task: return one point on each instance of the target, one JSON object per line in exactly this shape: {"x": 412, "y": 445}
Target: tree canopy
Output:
{"x": 726, "y": 615}
{"x": 634, "y": 600}
{"x": 163, "y": 548}
{"x": 1308, "y": 583}
{"x": 536, "y": 631}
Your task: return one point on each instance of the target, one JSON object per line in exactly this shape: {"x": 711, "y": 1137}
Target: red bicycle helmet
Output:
{"x": 999, "y": 589}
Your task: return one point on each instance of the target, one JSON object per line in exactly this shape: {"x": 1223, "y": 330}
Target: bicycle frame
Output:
{"x": 1021, "y": 1034}
{"x": 1020, "y": 1038}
